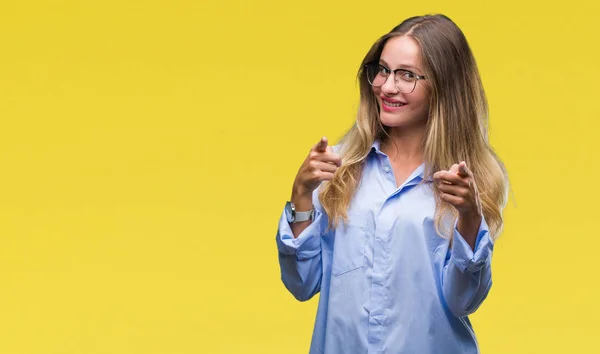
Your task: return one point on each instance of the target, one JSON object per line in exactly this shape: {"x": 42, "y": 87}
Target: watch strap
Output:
{"x": 300, "y": 216}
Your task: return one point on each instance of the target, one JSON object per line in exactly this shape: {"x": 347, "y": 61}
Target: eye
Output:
{"x": 383, "y": 70}
{"x": 407, "y": 75}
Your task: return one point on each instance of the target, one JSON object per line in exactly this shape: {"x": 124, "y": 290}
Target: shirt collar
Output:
{"x": 376, "y": 147}
{"x": 418, "y": 173}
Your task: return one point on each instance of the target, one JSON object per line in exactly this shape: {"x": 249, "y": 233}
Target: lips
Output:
{"x": 391, "y": 105}
{"x": 390, "y": 100}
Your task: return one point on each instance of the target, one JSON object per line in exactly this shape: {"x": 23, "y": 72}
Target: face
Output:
{"x": 398, "y": 109}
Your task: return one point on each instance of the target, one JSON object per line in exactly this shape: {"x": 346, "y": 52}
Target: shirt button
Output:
{"x": 386, "y": 169}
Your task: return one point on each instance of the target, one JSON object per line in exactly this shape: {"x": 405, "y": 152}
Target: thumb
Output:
{"x": 321, "y": 145}
{"x": 454, "y": 168}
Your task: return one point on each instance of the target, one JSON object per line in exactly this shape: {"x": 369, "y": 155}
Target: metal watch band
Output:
{"x": 300, "y": 216}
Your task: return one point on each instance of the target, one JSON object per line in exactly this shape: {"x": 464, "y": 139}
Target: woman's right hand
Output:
{"x": 320, "y": 165}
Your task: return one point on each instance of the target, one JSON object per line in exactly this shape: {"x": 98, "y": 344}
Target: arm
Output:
{"x": 299, "y": 244}
{"x": 300, "y": 257}
{"x": 467, "y": 274}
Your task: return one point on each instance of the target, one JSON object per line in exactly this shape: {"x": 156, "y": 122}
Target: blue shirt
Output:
{"x": 388, "y": 283}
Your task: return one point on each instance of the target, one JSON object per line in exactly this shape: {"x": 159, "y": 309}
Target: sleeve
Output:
{"x": 467, "y": 274}
{"x": 300, "y": 258}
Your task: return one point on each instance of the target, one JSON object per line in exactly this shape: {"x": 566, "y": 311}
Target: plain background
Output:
{"x": 147, "y": 149}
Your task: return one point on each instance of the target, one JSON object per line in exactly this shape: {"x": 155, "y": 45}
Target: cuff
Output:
{"x": 464, "y": 257}
{"x": 307, "y": 244}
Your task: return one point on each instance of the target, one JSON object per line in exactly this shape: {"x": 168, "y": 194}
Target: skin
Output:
{"x": 407, "y": 127}
{"x": 457, "y": 187}
{"x": 320, "y": 165}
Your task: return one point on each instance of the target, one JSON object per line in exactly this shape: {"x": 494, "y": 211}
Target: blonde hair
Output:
{"x": 456, "y": 127}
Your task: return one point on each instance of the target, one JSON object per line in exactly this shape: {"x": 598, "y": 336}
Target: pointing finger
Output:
{"x": 463, "y": 170}
{"x": 321, "y": 145}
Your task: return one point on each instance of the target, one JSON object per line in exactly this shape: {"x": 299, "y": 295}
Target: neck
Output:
{"x": 405, "y": 145}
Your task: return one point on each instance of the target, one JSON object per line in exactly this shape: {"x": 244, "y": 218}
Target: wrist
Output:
{"x": 468, "y": 226}
{"x": 470, "y": 218}
{"x": 301, "y": 198}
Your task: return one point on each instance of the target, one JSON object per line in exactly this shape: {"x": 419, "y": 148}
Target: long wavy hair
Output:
{"x": 457, "y": 126}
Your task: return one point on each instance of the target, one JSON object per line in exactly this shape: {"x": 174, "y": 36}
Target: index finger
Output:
{"x": 463, "y": 170}
{"x": 321, "y": 145}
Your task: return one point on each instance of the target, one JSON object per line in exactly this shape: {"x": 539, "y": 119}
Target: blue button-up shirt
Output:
{"x": 388, "y": 282}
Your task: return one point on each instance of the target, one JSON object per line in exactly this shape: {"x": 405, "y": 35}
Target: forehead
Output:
{"x": 401, "y": 51}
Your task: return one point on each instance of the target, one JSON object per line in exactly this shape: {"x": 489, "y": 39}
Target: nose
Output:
{"x": 389, "y": 86}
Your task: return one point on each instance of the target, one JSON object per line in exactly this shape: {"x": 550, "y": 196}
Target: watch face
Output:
{"x": 290, "y": 212}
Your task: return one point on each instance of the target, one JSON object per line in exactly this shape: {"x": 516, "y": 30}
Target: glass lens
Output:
{"x": 405, "y": 81}
{"x": 376, "y": 75}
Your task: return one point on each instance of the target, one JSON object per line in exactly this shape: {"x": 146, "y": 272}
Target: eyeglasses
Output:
{"x": 405, "y": 80}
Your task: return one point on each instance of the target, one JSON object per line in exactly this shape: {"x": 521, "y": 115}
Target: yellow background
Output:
{"x": 147, "y": 149}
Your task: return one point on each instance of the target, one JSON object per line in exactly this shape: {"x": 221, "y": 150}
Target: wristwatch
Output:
{"x": 294, "y": 216}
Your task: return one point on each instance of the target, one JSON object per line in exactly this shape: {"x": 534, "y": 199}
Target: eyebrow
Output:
{"x": 402, "y": 66}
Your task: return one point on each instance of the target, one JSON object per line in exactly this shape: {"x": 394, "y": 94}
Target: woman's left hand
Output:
{"x": 457, "y": 187}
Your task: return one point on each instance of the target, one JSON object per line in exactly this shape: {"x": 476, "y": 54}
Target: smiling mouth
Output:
{"x": 393, "y": 104}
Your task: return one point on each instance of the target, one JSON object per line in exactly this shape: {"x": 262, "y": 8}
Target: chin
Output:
{"x": 393, "y": 120}
{"x": 400, "y": 120}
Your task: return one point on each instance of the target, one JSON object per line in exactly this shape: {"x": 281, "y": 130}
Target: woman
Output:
{"x": 395, "y": 226}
